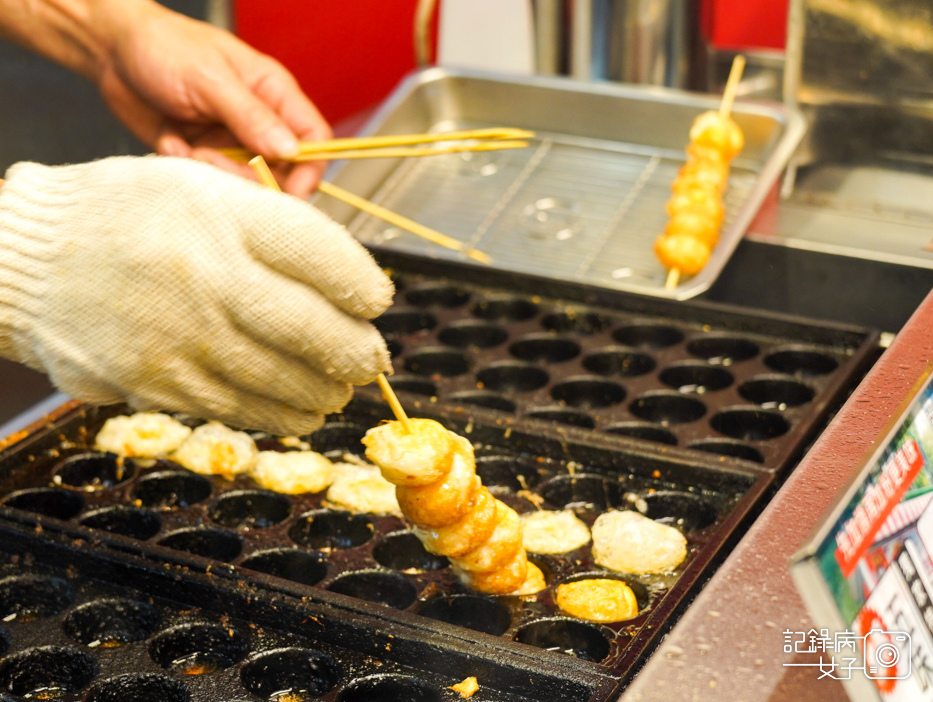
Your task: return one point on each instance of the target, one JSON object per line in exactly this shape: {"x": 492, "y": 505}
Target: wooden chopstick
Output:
{"x": 500, "y": 135}
{"x": 406, "y": 151}
{"x": 265, "y": 176}
{"x": 400, "y": 221}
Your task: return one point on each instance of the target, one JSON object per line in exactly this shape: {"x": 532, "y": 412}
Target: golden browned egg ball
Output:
{"x": 597, "y": 600}
{"x": 695, "y": 224}
{"x": 697, "y": 200}
{"x": 702, "y": 173}
{"x": 706, "y": 154}
{"x": 719, "y": 132}
{"x": 686, "y": 254}
{"x": 534, "y": 581}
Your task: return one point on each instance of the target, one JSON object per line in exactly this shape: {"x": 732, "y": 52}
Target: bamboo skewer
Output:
{"x": 725, "y": 107}
{"x": 732, "y": 86}
{"x": 405, "y": 151}
{"x": 489, "y": 139}
{"x": 264, "y": 173}
{"x": 400, "y": 221}
{"x": 389, "y": 394}
{"x": 266, "y": 178}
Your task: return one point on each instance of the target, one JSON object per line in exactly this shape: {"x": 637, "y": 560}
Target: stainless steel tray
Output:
{"x": 584, "y": 202}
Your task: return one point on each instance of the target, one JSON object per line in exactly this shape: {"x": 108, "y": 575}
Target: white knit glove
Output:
{"x": 171, "y": 285}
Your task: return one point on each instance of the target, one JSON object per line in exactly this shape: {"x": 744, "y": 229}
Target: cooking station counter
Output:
{"x": 729, "y": 643}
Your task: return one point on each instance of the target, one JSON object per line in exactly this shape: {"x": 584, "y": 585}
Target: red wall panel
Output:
{"x": 746, "y": 24}
{"x": 347, "y": 54}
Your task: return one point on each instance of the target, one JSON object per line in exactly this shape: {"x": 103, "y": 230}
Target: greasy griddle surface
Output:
{"x": 374, "y": 564}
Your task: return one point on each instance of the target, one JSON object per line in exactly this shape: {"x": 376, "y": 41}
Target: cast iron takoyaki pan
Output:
{"x": 374, "y": 565}
{"x": 83, "y": 624}
{"x": 682, "y": 376}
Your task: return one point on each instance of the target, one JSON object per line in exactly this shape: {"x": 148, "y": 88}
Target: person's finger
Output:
{"x": 302, "y": 243}
{"x": 279, "y": 89}
{"x": 297, "y": 320}
{"x": 254, "y": 123}
{"x": 170, "y": 143}
{"x": 303, "y": 179}
{"x": 217, "y": 159}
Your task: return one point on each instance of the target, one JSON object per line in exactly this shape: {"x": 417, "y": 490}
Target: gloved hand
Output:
{"x": 172, "y": 285}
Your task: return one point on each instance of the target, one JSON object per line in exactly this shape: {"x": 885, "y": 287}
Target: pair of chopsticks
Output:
{"x": 401, "y": 145}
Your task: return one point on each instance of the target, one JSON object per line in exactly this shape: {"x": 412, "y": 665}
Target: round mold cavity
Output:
{"x": 507, "y": 473}
{"x": 135, "y": 523}
{"x": 576, "y": 321}
{"x": 342, "y": 437}
{"x": 505, "y": 308}
{"x": 50, "y": 502}
{"x": 289, "y": 563}
{"x": 93, "y": 471}
{"x": 471, "y": 611}
{"x": 198, "y": 649}
{"x": 801, "y": 362}
{"x": 507, "y": 377}
{"x": 331, "y": 529}
{"x": 667, "y": 408}
{"x": 627, "y": 364}
{"x": 776, "y": 393}
{"x": 466, "y": 333}
{"x": 402, "y": 321}
{"x": 568, "y": 636}
{"x": 696, "y": 378}
{"x": 170, "y": 489}
{"x": 139, "y": 687}
{"x": 645, "y": 432}
{"x": 648, "y": 336}
{"x": 249, "y": 508}
{"x": 588, "y": 393}
{"x": 111, "y": 622}
{"x": 390, "y": 688}
{"x": 413, "y": 384}
{"x": 294, "y": 672}
{"x": 481, "y": 398}
{"x": 749, "y": 424}
{"x": 683, "y": 510}
{"x": 724, "y": 447}
{"x": 389, "y": 589}
{"x": 723, "y": 350}
{"x": 642, "y": 596}
{"x": 394, "y": 347}
{"x": 47, "y": 672}
{"x": 437, "y": 295}
{"x": 402, "y": 550}
{"x": 563, "y": 415}
{"x": 218, "y": 544}
{"x": 544, "y": 348}
{"x": 584, "y": 492}
{"x": 33, "y": 596}
{"x": 437, "y": 361}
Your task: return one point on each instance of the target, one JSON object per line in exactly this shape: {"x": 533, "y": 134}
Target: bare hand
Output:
{"x": 186, "y": 88}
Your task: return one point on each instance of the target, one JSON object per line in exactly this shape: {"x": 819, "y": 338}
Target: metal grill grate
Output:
{"x": 567, "y": 207}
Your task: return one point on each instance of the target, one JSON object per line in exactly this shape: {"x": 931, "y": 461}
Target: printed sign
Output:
{"x": 874, "y": 564}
